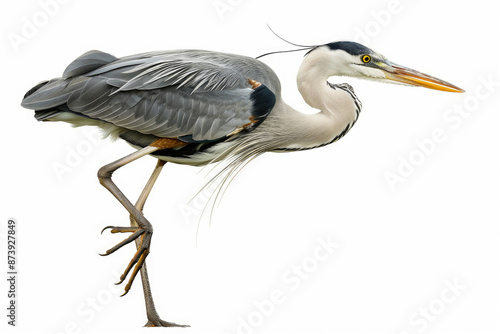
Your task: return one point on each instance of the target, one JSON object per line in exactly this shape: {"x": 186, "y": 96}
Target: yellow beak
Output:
{"x": 411, "y": 77}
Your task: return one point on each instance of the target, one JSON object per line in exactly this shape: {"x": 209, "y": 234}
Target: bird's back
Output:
{"x": 194, "y": 95}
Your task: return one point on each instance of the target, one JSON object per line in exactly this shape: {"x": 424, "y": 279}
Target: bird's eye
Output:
{"x": 366, "y": 58}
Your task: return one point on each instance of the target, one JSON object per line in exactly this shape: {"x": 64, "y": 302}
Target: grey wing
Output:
{"x": 192, "y": 95}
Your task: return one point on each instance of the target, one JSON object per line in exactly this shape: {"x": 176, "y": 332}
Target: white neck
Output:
{"x": 338, "y": 108}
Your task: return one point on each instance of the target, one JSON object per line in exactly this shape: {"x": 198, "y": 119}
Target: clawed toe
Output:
{"x": 120, "y": 229}
{"x": 139, "y": 257}
{"x": 162, "y": 323}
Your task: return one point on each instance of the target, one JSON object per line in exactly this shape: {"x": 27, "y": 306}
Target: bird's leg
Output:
{"x": 149, "y": 186}
{"x": 154, "y": 319}
{"x": 144, "y": 230}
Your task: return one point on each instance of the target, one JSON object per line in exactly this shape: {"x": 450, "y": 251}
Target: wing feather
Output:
{"x": 185, "y": 93}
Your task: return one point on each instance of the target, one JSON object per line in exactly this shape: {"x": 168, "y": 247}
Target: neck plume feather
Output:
{"x": 287, "y": 129}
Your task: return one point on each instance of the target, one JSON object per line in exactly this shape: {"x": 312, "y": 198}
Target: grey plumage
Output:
{"x": 200, "y": 95}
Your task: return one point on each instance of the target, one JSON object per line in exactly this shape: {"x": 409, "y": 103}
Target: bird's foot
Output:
{"x": 161, "y": 323}
{"x": 139, "y": 257}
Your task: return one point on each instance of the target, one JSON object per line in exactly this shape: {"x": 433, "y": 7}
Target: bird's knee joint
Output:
{"x": 104, "y": 174}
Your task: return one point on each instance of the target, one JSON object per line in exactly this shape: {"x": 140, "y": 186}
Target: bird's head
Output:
{"x": 356, "y": 60}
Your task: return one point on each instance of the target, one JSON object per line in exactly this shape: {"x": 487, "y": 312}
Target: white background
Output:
{"x": 397, "y": 247}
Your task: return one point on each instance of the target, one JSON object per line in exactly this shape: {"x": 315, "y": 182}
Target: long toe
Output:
{"x": 162, "y": 323}
{"x": 143, "y": 238}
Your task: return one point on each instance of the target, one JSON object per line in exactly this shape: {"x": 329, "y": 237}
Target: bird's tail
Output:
{"x": 51, "y": 94}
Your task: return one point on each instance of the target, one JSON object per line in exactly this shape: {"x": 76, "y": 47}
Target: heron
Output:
{"x": 197, "y": 107}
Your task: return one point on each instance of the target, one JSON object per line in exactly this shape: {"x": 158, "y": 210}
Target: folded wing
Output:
{"x": 193, "y": 95}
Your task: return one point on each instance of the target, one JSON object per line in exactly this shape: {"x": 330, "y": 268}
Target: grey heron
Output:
{"x": 197, "y": 107}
